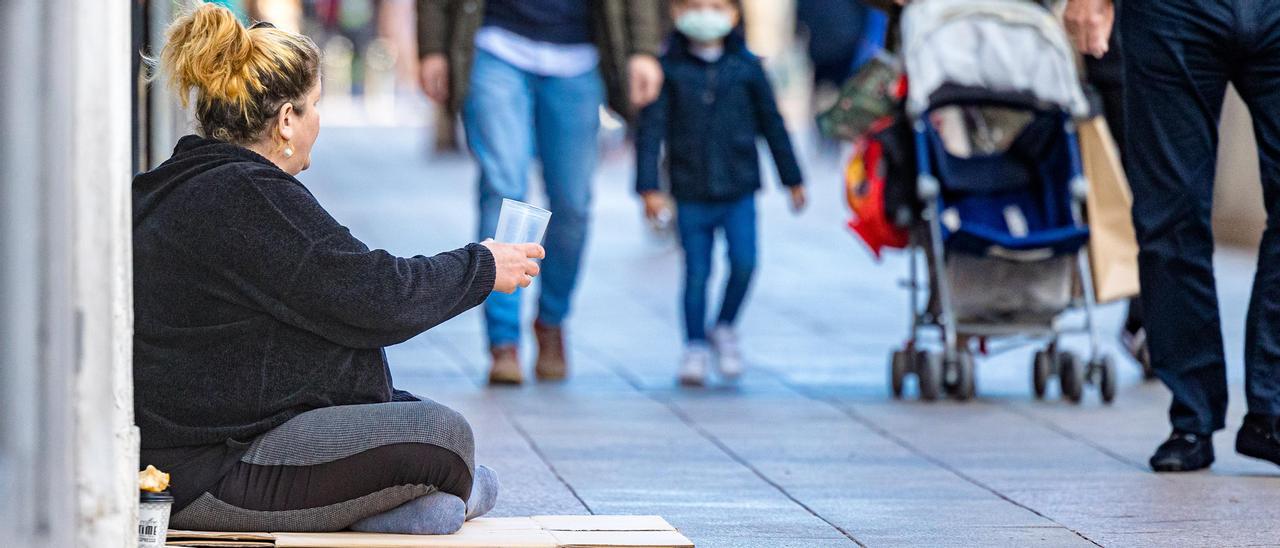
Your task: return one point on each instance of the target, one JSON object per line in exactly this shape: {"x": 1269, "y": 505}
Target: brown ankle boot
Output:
{"x": 506, "y": 365}
{"x": 551, "y": 358}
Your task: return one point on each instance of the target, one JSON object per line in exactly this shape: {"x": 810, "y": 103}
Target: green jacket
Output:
{"x": 620, "y": 29}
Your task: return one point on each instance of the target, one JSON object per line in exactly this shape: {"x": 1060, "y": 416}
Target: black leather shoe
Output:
{"x": 1258, "y": 438}
{"x": 1183, "y": 452}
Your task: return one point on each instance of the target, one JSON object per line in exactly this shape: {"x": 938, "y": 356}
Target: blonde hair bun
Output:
{"x": 210, "y": 51}
{"x": 241, "y": 76}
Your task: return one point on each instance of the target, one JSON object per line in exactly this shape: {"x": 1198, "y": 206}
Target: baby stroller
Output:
{"x": 991, "y": 98}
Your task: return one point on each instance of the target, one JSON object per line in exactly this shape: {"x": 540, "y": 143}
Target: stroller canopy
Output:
{"x": 998, "y": 45}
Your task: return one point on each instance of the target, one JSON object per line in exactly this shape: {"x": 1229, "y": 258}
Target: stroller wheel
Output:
{"x": 1041, "y": 369}
{"x": 1107, "y": 378}
{"x": 929, "y": 373}
{"x": 899, "y": 365}
{"x": 1070, "y": 377}
{"x": 950, "y": 377}
{"x": 965, "y": 371}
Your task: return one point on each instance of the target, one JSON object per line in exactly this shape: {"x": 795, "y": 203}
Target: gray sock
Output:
{"x": 436, "y": 514}
{"x": 484, "y": 492}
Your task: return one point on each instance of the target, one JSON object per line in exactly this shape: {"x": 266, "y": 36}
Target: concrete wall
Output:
{"x": 106, "y": 452}
{"x": 107, "y": 441}
{"x": 36, "y": 314}
{"x": 68, "y": 447}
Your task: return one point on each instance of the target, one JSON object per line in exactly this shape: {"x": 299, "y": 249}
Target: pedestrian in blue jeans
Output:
{"x": 715, "y": 101}
{"x": 1179, "y": 56}
{"x": 529, "y": 77}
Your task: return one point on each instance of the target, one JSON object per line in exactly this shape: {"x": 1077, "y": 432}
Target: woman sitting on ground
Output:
{"x": 261, "y": 380}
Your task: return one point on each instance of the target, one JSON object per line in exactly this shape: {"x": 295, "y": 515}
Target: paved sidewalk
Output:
{"x": 808, "y": 449}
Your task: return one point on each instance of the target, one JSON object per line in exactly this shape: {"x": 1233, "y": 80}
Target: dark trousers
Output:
{"x": 698, "y": 223}
{"x": 1179, "y": 57}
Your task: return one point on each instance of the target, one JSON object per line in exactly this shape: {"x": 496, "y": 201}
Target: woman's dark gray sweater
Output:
{"x": 252, "y": 304}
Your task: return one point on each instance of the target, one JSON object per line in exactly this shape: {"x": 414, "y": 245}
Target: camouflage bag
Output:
{"x": 871, "y": 94}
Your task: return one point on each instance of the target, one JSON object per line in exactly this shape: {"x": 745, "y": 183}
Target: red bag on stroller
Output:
{"x": 865, "y": 187}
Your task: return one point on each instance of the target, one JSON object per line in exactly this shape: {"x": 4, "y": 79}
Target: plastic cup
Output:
{"x": 153, "y": 519}
{"x": 521, "y": 223}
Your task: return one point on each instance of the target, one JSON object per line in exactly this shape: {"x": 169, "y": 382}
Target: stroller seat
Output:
{"x": 1005, "y": 173}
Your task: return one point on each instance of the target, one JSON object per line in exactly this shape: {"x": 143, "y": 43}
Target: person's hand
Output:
{"x": 644, "y": 77}
{"x": 433, "y": 76}
{"x": 799, "y": 198}
{"x": 515, "y": 264}
{"x": 1089, "y": 24}
{"x": 654, "y": 205}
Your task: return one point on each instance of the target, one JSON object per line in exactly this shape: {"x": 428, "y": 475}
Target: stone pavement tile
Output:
{"x": 979, "y": 433}
{"x": 915, "y": 509}
{"x": 966, "y": 536}
{"x": 473, "y": 360}
{"x": 460, "y": 341}
{"x": 1137, "y": 423}
{"x": 706, "y": 541}
{"x": 860, "y": 373}
{"x": 1066, "y": 479}
{"x": 745, "y": 518}
{"x": 1130, "y": 428}
{"x": 529, "y": 486}
{"x": 849, "y": 474}
{"x": 1127, "y": 506}
{"x": 704, "y": 478}
{"x": 419, "y": 357}
{"x": 654, "y": 371}
{"x": 1146, "y": 508}
{"x": 630, "y": 454}
{"x": 1216, "y": 532}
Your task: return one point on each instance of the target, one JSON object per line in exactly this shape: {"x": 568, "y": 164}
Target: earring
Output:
{"x": 288, "y": 151}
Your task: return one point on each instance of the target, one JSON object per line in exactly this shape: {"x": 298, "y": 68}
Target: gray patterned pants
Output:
{"x": 328, "y": 468}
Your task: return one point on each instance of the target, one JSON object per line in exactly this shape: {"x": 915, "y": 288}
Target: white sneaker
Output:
{"x": 693, "y": 366}
{"x": 728, "y": 357}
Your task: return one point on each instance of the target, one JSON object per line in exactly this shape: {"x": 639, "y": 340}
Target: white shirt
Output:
{"x": 541, "y": 58}
{"x": 709, "y": 54}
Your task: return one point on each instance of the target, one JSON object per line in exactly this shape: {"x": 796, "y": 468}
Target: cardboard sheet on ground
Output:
{"x": 530, "y": 532}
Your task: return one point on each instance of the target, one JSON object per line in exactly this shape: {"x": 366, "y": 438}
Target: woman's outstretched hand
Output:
{"x": 515, "y": 264}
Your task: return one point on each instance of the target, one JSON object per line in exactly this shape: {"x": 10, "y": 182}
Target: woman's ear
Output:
{"x": 285, "y": 122}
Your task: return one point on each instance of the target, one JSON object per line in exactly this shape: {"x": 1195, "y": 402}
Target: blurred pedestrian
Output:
{"x": 1179, "y": 56}
{"x": 715, "y": 101}
{"x": 529, "y": 77}
{"x": 1106, "y": 75}
{"x": 837, "y": 32}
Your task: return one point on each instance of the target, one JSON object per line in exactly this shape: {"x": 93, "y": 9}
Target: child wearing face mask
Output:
{"x": 715, "y": 102}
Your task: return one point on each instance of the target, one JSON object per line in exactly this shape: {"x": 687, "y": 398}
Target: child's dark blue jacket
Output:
{"x": 709, "y": 115}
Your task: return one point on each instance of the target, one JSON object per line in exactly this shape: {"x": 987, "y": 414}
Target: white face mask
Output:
{"x": 704, "y": 25}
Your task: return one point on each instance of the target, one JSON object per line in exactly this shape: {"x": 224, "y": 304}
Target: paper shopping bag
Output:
{"x": 1113, "y": 247}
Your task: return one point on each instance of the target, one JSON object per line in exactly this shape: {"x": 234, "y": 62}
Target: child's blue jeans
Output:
{"x": 698, "y": 223}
